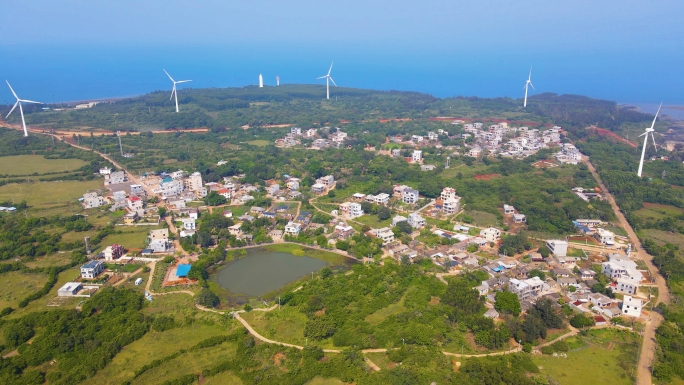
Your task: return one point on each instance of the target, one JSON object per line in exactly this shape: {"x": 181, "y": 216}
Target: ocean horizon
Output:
{"x": 69, "y": 73}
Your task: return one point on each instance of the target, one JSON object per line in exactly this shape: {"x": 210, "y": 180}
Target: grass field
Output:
{"x": 610, "y": 352}
{"x": 259, "y": 142}
{"x": 373, "y": 221}
{"x": 324, "y": 381}
{"x": 15, "y": 285}
{"x": 44, "y": 195}
{"x": 41, "y": 303}
{"x": 59, "y": 259}
{"x": 192, "y": 362}
{"x": 481, "y": 218}
{"x": 152, "y": 346}
{"x": 662, "y": 237}
{"x": 286, "y": 325}
{"x": 225, "y": 378}
{"x": 29, "y": 164}
{"x": 134, "y": 236}
{"x": 380, "y": 315}
{"x": 617, "y": 230}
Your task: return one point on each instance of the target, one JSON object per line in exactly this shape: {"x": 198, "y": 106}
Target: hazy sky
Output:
{"x": 527, "y": 25}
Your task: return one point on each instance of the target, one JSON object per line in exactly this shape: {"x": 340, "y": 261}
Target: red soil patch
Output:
{"x": 486, "y": 176}
{"x": 441, "y": 118}
{"x": 612, "y": 135}
{"x": 342, "y": 121}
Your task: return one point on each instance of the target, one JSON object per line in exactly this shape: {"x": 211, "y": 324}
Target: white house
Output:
{"x": 409, "y": 196}
{"x": 91, "y": 269}
{"x": 604, "y": 236}
{"x": 293, "y": 229}
{"x": 385, "y": 234}
{"x": 417, "y": 156}
{"x": 558, "y": 248}
{"x": 416, "y": 221}
{"x": 519, "y": 218}
{"x": 398, "y": 219}
{"x": 632, "y": 306}
{"x": 318, "y": 188}
{"x": 448, "y": 193}
{"x": 508, "y": 210}
{"x": 382, "y": 199}
{"x": 451, "y": 205}
{"x": 627, "y": 286}
{"x": 526, "y": 289}
{"x": 92, "y": 200}
{"x": 491, "y": 234}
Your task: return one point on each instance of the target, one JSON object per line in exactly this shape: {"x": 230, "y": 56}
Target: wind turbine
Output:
{"x": 528, "y": 84}
{"x": 21, "y": 110}
{"x": 649, "y": 130}
{"x": 328, "y": 79}
{"x": 173, "y": 91}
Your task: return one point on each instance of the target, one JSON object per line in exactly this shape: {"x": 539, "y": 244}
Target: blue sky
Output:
{"x": 524, "y": 25}
{"x": 628, "y": 51}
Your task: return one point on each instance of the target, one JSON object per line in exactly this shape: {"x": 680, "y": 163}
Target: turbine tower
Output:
{"x": 261, "y": 81}
{"x": 649, "y": 130}
{"x": 528, "y": 84}
{"x": 328, "y": 79}
{"x": 118, "y": 134}
{"x": 174, "y": 92}
{"x": 21, "y": 110}
{"x": 278, "y": 80}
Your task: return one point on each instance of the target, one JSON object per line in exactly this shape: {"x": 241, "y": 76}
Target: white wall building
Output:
{"x": 491, "y": 234}
{"x": 558, "y": 248}
{"x": 416, "y": 221}
{"x": 632, "y": 306}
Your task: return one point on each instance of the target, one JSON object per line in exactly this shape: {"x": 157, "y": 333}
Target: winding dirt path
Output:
{"x": 647, "y": 355}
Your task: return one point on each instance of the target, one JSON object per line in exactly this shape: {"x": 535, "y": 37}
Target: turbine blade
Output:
{"x": 15, "y": 106}
{"x": 645, "y": 133}
{"x": 530, "y": 76}
{"x": 13, "y": 93}
{"x": 532, "y": 86}
{"x": 654, "y": 143}
{"x": 29, "y": 101}
{"x": 167, "y": 74}
{"x": 656, "y": 116}
{"x": 332, "y": 81}
{"x": 331, "y": 64}
{"x": 183, "y": 81}
{"x": 322, "y": 77}
{"x": 526, "y": 85}
{"x": 173, "y": 91}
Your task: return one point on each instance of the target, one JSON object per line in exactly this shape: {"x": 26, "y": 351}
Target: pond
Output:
{"x": 262, "y": 271}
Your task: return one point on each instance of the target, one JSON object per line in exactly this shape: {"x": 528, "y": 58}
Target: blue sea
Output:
{"x": 72, "y": 72}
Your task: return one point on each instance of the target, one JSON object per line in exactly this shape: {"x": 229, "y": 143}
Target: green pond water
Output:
{"x": 261, "y": 272}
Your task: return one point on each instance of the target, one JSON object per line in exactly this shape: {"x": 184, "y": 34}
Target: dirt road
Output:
{"x": 649, "y": 344}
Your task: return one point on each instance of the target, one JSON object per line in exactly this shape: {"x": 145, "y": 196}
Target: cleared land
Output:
{"x": 612, "y": 354}
{"x": 481, "y": 218}
{"x": 285, "y": 325}
{"x": 259, "y": 142}
{"x": 29, "y": 164}
{"x": 130, "y": 237}
{"x": 43, "y": 195}
{"x": 662, "y": 237}
{"x": 15, "y": 285}
{"x": 41, "y": 303}
{"x": 154, "y": 345}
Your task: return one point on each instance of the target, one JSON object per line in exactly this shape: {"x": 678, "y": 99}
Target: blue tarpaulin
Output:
{"x": 183, "y": 270}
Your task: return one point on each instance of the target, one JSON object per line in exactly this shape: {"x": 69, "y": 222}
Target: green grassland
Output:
{"x": 130, "y": 237}
{"x": 29, "y": 164}
{"x": 43, "y": 195}
{"x": 285, "y": 325}
{"x": 259, "y": 142}
{"x": 480, "y": 218}
{"x": 40, "y": 304}
{"x": 604, "y": 356}
{"x": 59, "y": 259}
{"x": 15, "y": 285}
{"x": 380, "y": 315}
{"x": 225, "y": 378}
{"x": 324, "y": 381}
{"x": 662, "y": 237}
{"x": 154, "y": 345}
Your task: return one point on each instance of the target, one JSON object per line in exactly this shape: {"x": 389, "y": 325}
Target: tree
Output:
{"x": 472, "y": 248}
{"x": 507, "y": 303}
{"x": 544, "y": 251}
{"x": 367, "y": 207}
{"x": 536, "y": 273}
{"x": 384, "y": 213}
{"x": 463, "y": 298}
{"x": 214, "y": 199}
{"x": 207, "y": 298}
{"x": 580, "y": 321}
{"x": 404, "y": 227}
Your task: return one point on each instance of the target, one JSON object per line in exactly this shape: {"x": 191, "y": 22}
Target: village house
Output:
{"x": 318, "y": 188}
{"x": 527, "y": 289}
{"x": 491, "y": 234}
{"x": 558, "y": 248}
{"x": 351, "y": 209}
{"x": 409, "y": 196}
{"x": 115, "y": 178}
{"x": 600, "y": 300}
{"x": 417, "y": 156}
{"x": 519, "y": 218}
{"x": 384, "y": 233}
{"x": 91, "y": 269}
{"x": 293, "y": 229}
{"x": 382, "y": 199}
{"x": 632, "y": 306}
{"x": 159, "y": 240}
{"x": 605, "y": 237}
{"x": 113, "y": 252}
{"x": 135, "y": 203}
{"x": 92, "y": 200}
{"x": 344, "y": 231}
{"x": 508, "y": 210}
{"x": 416, "y": 221}
{"x": 137, "y": 189}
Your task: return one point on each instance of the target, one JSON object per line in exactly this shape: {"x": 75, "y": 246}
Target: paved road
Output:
{"x": 649, "y": 343}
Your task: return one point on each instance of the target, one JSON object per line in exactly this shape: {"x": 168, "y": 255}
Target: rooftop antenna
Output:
{"x": 528, "y": 84}
{"x": 328, "y": 79}
{"x": 173, "y": 91}
{"x": 21, "y": 110}
{"x": 649, "y": 130}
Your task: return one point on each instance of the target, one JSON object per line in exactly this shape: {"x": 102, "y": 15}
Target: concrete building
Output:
{"x": 113, "y": 252}
{"x": 526, "y": 289}
{"x": 194, "y": 182}
{"x": 385, "y": 234}
{"x": 451, "y": 206}
{"x": 293, "y": 229}
{"x": 417, "y": 156}
{"x": 92, "y": 200}
{"x": 115, "y": 178}
{"x": 91, "y": 269}
{"x": 448, "y": 193}
{"x": 605, "y": 237}
{"x": 632, "y": 306}
{"x": 558, "y": 248}
{"x": 137, "y": 189}
{"x": 416, "y": 221}
{"x": 69, "y": 289}
{"x": 409, "y": 196}
{"x": 134, "y": 203}
{"x": 491, "y": 234}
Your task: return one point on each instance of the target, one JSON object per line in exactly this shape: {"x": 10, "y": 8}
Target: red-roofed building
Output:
{"x": 135, "y": 203}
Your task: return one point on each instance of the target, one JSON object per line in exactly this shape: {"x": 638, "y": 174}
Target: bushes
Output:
{"x": 207, "y": 298}
{"x": 581, "y": 321}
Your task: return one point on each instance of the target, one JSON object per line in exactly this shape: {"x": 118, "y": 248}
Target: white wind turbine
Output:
{"x": 649, "y": 130}
{"x": 328, "y": 79}
{"x": 173, "y": 91}
{"x": 528, "y": 84}
{"x": 21, "y": 110}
